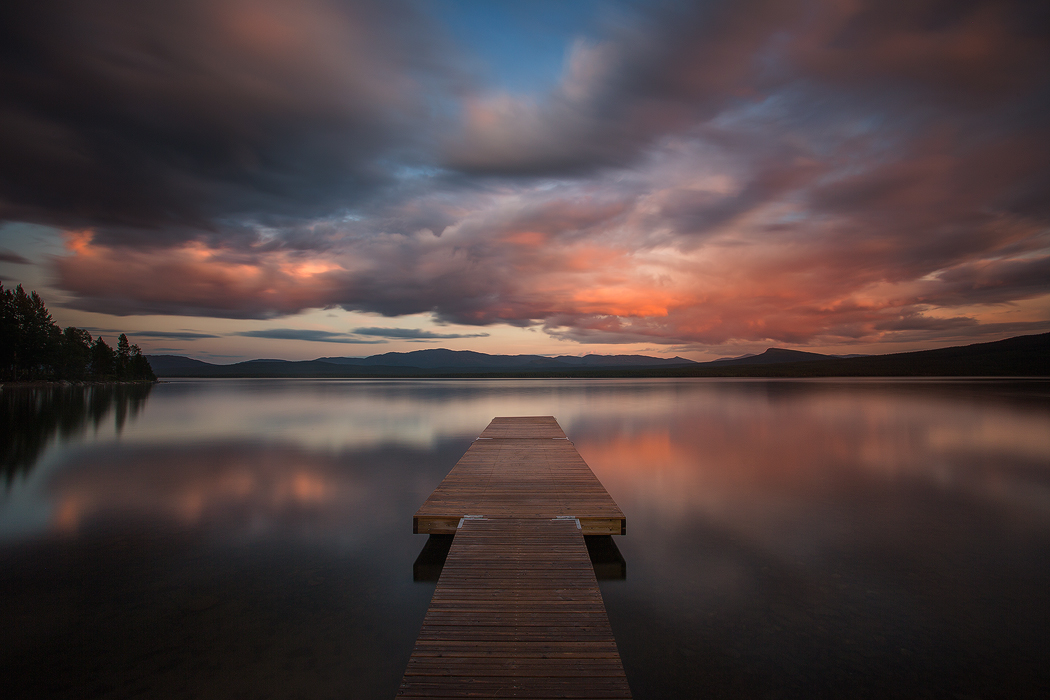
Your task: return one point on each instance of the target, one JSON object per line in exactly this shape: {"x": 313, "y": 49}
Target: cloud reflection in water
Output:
{"x": 232, "y": 487}
{"x": 798, "y": 538}
{"x": 786, "y": 538}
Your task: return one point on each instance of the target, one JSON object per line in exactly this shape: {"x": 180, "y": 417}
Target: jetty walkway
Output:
{"x": 517, "y": 612}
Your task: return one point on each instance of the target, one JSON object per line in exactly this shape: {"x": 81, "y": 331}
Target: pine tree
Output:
{"x": 76, "y": 354}
{"x": 8, "y": 333}
{"x": 123, "y": 364}
{"x": 32, "y": 346}
{"x": 103, "y": 360}
{"x": 139, "y": 366}
{"x": 37, "y": 337}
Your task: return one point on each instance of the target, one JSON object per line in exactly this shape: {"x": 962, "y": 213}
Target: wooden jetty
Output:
{"x": 517, "y": 611}
{"x": 521, "y": 468}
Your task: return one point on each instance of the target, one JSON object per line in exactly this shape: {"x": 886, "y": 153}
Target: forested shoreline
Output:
{"x": 34, "y": 348}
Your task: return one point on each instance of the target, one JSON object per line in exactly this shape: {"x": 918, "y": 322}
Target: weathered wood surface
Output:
{"x": 517, "y": 613}
{"x": 523, "y": 468}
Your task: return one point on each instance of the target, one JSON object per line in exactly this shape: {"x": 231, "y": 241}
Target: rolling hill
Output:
{"x": 1019, "y": 356}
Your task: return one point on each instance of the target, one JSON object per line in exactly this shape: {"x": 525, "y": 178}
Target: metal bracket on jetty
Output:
{"x": 517, "y": 611}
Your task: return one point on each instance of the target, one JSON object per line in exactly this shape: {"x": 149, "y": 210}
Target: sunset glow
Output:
{"x": 696, "y": 179}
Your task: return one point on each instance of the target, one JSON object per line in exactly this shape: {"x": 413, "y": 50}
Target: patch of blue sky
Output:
{"x": 266, "y": 234}
{"x": 522, "y": 45}
{"x": 33, "y": 243}
{"x": 792, "y": 217}
{"x": 752, "y": 109}
{"x": 418, "y": 172}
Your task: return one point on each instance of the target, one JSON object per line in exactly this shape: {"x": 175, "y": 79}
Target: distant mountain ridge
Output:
{"x": 417, "y": 362}
{"x": 440, "y": 358}
{"x": 1019, "y": 356}
{"x": 771, "y": 356}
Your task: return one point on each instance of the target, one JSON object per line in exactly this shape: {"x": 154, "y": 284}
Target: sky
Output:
{"x": 236, "y": 179}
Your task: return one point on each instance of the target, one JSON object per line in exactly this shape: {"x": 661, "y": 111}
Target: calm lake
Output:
{"x": 785, "y": 539}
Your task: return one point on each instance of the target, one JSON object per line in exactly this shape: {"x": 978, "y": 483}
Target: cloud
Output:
{"x": 192, "y": 280}
{"x": 704, "y": 173}
{"x": 306, "y": 334}
{"x": 156, "y": 123}
{"x": 611, "y": 272}
{"x": 12, "y": 257}
{"x": 414, "y": 334}
{"x": 674, "y": 65}
{"x": 172, "y": 335}
{"x": 163, "y": 335}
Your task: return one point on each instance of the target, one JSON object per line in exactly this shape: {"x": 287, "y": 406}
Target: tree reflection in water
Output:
{"x": 30, "y": 416}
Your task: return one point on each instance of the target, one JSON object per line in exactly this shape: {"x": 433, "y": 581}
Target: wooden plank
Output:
{"x": 521, "y": 467}
{"x": 532, "y": 427}
{"x": 517, "y": 613}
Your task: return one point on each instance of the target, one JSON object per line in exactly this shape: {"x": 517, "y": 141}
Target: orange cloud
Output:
{"x": 80, "y": 241}
{"x": 532, "y": 239}
{"x": 196, "y": 279}
{"x": 736, "y": 286}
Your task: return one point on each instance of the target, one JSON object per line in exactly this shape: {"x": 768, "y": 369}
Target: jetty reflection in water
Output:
{"x": 786, "y": 539}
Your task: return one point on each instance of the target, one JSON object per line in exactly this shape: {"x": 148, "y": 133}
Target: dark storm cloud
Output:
{"x": 993, "y": 282}
{"x": 12, "y": 257}
{"x": 158, "y": 120}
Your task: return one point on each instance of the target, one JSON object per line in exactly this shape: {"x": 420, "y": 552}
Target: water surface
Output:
{"x": 252, "y": 538}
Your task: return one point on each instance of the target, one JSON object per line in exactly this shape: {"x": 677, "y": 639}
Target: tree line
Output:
{"x": 34, "y": 347}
